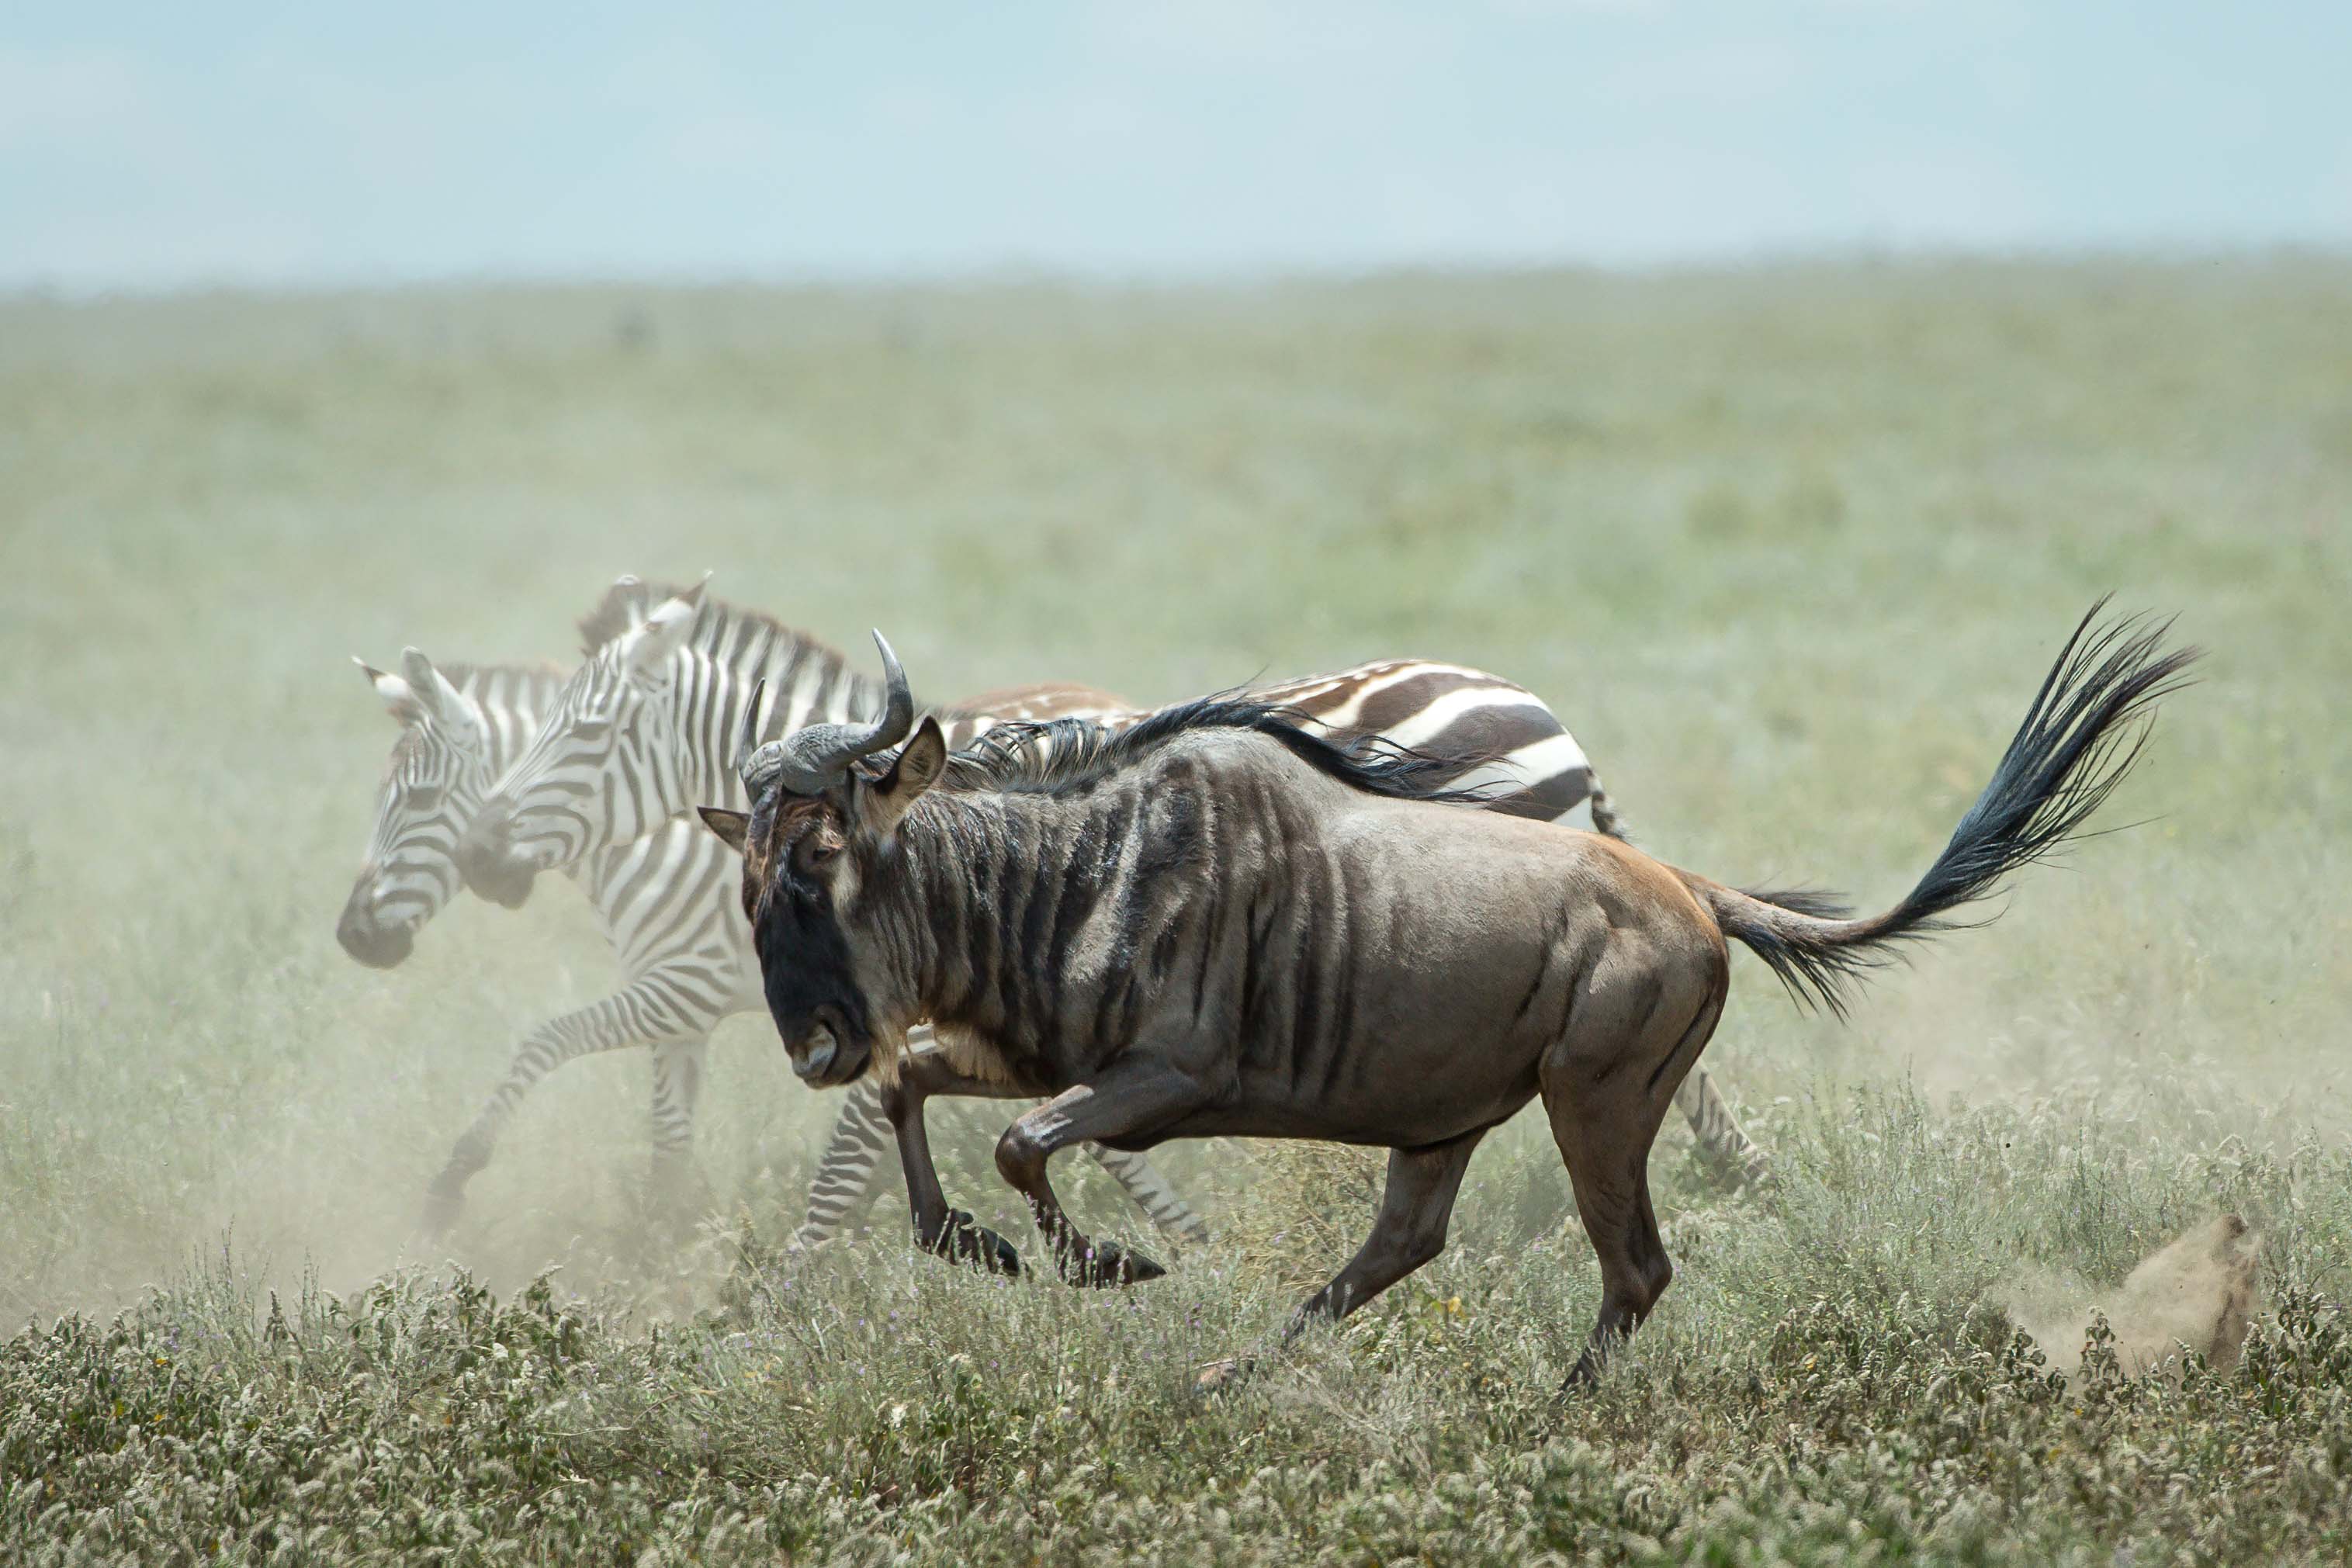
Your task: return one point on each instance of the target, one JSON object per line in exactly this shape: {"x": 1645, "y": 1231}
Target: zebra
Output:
{"x": 648, "y": 728}
{"x": 665, "y": 903}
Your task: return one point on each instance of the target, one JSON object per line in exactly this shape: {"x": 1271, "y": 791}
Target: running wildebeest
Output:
{"x": 1219, "y": 924}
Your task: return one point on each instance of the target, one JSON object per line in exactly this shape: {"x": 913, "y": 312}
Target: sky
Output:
{"x": 187, "y": 145}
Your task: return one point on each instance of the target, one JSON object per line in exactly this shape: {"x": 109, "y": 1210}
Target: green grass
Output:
{"x": 1788, "y": 551}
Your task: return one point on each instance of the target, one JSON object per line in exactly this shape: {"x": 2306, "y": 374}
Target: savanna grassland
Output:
{"x": 1787, "y": 549}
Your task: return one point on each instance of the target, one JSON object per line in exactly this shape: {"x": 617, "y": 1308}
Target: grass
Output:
{"x": 1787, "y": 549}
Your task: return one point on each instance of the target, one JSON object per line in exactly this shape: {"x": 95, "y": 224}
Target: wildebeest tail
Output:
{"x": 2076, "y": 744}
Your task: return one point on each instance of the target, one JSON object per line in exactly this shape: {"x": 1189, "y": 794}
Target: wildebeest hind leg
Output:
{"x": 1409, "y": 1229}
{"x": 1130, "y": 1098}
{"x": 1604, "y": 1122}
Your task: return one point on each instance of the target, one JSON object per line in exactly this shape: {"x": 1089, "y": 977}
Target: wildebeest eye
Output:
{"x": 822, "y": 843}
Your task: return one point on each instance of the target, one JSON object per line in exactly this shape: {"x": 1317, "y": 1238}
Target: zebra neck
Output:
{"x": 511, "y": 700}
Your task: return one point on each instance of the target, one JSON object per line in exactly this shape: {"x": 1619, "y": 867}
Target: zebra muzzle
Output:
{"x": 377, "y": 946}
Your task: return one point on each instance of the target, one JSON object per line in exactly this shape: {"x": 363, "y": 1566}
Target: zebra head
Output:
{"x": 438, "y": 772}
{"x": 816, "y": 826}
{"x": 609, "y": 764}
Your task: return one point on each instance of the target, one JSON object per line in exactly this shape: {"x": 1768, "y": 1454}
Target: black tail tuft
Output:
{"x": 2064, "y": 761}
{"x": 2076, "y": 744}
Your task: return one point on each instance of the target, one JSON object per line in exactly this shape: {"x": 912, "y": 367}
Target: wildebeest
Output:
{"x": 650, "y": 724}
{"x": 1217, "y": 923}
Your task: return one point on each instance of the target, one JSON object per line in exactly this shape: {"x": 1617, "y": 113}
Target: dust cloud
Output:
{"x": 2200, "y": 1290}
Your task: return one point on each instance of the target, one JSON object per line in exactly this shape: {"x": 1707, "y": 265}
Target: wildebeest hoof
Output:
{"x": 1582, "y": 1380}
{"x": 964, "y": 1241}
{"x": 1107, "y": 1263}
{"x": 1220, "y": 1376}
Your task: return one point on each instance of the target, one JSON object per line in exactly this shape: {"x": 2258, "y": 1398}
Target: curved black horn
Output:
{"x": 810, "y": 760}
{"x": 897, "y": 720}
{"x": 747, "y": 741}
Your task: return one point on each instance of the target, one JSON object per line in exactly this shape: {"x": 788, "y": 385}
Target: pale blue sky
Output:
{"x": 320, "y": 143}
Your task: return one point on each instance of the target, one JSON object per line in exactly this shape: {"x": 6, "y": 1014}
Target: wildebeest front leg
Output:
{"x": 1415, "y": 1204}
{"x": 952, "y": 1233}
{"x": 1129, "y": 1099}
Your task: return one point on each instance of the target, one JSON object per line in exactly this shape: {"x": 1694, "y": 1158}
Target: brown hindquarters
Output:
{"x": 1649, "y": 1004}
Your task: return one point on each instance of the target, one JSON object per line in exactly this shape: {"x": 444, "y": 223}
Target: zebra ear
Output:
{"x": 732, "y": 826}
{"x": 398, "y": 700}
{"x": 919, "y": 766}
{"x": 664, "y": 631}
{"x": 434, "y": 693}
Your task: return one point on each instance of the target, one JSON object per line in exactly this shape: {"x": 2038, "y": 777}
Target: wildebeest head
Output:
{"x": 819, "y": 828}
{"x": 433, "y": 784}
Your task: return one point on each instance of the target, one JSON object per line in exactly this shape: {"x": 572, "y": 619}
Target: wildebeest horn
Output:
{"x": 747, "y": 741}
{"x": 812, "y": 760}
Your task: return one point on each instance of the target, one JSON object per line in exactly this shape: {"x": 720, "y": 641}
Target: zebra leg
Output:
{"x": 644, "y": 1013}
{"x": 844, "y": 1185}
{"x": 677, "y": 1085}
{"x": 1722, "y": 1142}
{"x": 1151, "y": 1193}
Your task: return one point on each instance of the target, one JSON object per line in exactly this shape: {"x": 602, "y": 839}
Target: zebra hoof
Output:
{"x": 1107, "y": 1264}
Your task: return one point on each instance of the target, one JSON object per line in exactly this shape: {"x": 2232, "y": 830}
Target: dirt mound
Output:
{"x": 2199, "y": 1290}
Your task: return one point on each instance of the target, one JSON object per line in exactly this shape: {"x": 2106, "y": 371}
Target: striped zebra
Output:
{"x": 649, "y": 727}
{"x": 461, "y": 726}
{"x": 666, "y": 903}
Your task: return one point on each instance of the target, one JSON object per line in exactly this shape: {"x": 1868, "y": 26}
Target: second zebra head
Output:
{"x": 456, "y": 725}
{"x": 610, "y": 762}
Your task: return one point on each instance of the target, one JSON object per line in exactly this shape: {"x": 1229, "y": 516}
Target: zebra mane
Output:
{"x": 730, "y": 633}
{"x": 497, "y": 683}
{"x": 1066, "y": 753}
{"x": 624, "y": 608}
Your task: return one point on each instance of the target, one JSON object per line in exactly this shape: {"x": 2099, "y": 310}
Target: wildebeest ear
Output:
{"x": 920, "y": 762}
{"x": 732, "y": 826}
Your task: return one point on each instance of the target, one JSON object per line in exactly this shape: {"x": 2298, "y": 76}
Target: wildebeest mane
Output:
{"x": 1059, "y": 755}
